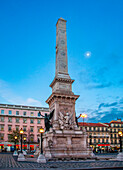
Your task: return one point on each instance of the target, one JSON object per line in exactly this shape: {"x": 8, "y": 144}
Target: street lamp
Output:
{"x": 24, "y": 142}
{"x": 41, "y": 131}
{"x": 120, "y": 136}
{"x": 21, "y": 133}
{"x": 15, "y": 142}
{"x": 83, "y": 116}
{"x": 41, "y": 157}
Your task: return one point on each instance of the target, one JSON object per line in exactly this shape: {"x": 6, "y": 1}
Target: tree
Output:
{"x": 12, "y": 136}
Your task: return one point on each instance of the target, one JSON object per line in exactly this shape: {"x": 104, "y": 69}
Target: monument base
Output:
{"x": 41, "y": 159}
{"x": 120, "y": 156}
{"x": 21, "y": 157}
{"x": 66, "y": 144}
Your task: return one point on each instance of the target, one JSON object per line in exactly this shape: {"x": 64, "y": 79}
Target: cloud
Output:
{"x": 8, "y": 96}
{"x": 98, "y": 86}
{"x": 31, "y": 101}
{"x": 107, "y": 105}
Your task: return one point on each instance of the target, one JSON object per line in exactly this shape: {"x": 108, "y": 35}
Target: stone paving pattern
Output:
{"x": 7, "y": 161}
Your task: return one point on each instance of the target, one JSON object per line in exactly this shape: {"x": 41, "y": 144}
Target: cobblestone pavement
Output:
{"x": 8, "y": 162}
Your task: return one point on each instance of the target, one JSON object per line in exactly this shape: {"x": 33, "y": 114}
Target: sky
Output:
{"x": 95, "y": 53}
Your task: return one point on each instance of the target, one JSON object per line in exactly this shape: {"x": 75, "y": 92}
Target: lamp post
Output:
{"x": 41, "y": 131}
{"x": 120, "y": 136}
{"x": 24, "y": 142}
{"x": 15, "y": 142}
{"x": 21, "y": 155}
{"x": 15, "y": 151}
{"x": 120, "y": 155}
{"x": 83, "y": 116}
{"x": 41, "y": 158}
{"x": 21, "y": 133}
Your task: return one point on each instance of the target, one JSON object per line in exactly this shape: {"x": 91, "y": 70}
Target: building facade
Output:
{"x": 103, "y": 137}
{"x": 15, "y": 117}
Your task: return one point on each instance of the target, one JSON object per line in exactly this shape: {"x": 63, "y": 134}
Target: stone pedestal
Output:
{"x": 15, "y": 153}
{"x": 120, "y": 156}
{"x": 66, "y": 144}
{"x": 41, "y": 159}
{"x": 21, "y": 157}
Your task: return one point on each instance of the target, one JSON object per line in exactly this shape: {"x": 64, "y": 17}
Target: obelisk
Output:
{"x": 65, "y": 139}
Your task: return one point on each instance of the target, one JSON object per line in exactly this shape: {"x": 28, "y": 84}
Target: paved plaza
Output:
{"x": 7, "y": 161}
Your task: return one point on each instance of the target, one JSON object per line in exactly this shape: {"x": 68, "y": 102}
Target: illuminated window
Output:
{"x": 1, "y": 136}
{"x": 2, "y": 127}
{"x": 32, "y": 114}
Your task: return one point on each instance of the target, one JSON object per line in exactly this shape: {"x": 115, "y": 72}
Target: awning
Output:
{"x": 103, "y": 144}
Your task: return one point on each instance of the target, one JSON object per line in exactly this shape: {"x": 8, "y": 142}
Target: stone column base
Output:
{"x": 120, "y": 156}
{"x": 41, "y": 159}
{"x": 21, "y": 157}
{"x": 15, "y": 153}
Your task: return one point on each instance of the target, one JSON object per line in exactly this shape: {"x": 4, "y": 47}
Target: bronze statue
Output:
{"x": 47, "y": 118}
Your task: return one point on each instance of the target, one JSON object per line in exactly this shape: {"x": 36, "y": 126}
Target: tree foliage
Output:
{"x": 12, "y": 136}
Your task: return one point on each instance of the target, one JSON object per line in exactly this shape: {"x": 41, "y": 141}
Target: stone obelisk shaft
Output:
{"x": 61, "y": 49}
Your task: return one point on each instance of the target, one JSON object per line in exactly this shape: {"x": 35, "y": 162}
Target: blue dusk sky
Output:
{"x": 95, "y": 53}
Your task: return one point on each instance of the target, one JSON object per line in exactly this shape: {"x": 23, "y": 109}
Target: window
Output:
{"x": 115, "y": 141}
{"x": 111, "y": 141}
{"x": 17, "y": 112}
{"x": 2, "y": 111}
{"x": 9, "y": 137}
{"x": 115, "y": 135}
{"x": 114, "y": 130}
{"x": 9, "y": 119}
{"x": 38, "y": 121}
{"x": 17, "y": 120}
{"x": 94, "y": 129}
{"x": 1, "y": 136}
{"x": 94, "y": 140}
{"x": 32, "y": 114}
{"x": 31, "y": 138}
{"x": 24, "y": 128}
{"x": 102, "y": 140}
{"x": 90, "y": 128}
{"x": 98, "y": 140}
{"x": 38, "y": 129}
{"x": 24, "y": 113}
{"x": 2, "y": 127}
{"x": 2, "y": 119}
{"x": 106, "y": 140}
{"x": 102, "y": 129}
{"x": 31, "y": 121}
{"x": 9, "y": 128}
{"x": 111, "y": 135}
{"x": 17, "y": 128}
{"x": 31, "y": 129}
{"x": 24, "y": 120}
{"x": 10, "y": 112}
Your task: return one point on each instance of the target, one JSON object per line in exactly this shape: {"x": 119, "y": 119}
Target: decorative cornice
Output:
{"x": 61, "y": 95}
{"x": 57, "y": 79}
